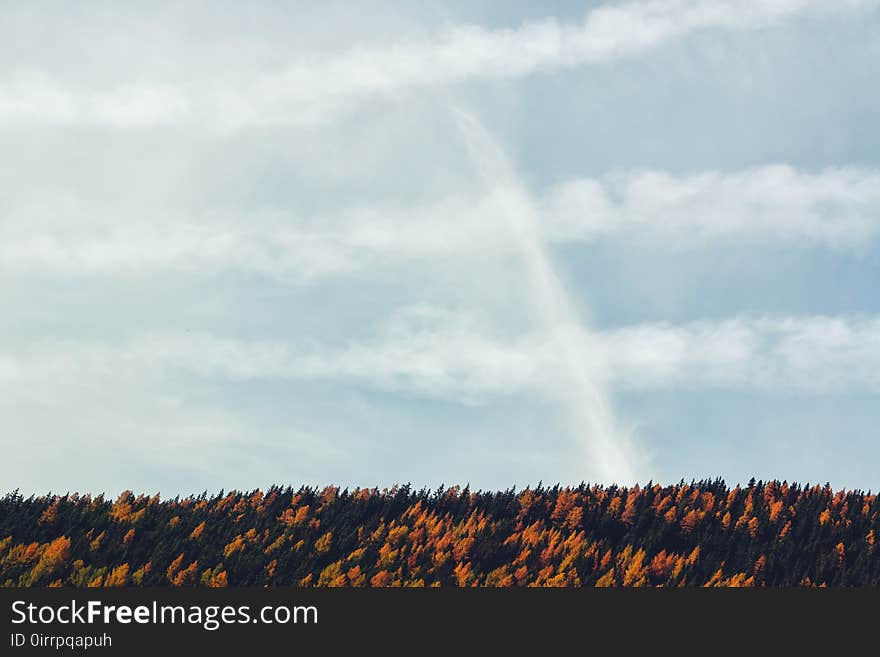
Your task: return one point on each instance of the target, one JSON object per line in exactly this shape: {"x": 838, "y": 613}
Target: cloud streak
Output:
{"x": 434, "y": 353}
{"x": 835, "y": 208}
{"x": 586, "y": 403}
{"x": 313, "y": 89}
{"x": 838, "y": 207}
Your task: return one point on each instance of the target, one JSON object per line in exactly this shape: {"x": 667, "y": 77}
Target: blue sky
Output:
{"x": 484, "y": 242}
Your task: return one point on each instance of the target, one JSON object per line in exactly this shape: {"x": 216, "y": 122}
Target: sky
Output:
{"x": 485, "y": 243}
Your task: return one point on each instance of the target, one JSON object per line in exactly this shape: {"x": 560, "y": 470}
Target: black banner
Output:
{"x": 233, "y": 621}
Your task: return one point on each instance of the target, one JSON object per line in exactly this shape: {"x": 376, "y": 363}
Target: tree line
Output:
{"x": 689, "y": 534}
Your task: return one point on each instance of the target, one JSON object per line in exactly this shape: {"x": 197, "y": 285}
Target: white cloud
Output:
{"x": 796, "y": 354}
{"x": 421, "y": 351}
{"x": 57, "y": 239}
{"x": 839, "y": 208}
{"x": 836, "y": 207}
{"x": 158, "y": 394}
{"x": 39, "y": 96}
{"x": 435, "y": 353}
{"x": 313, "y": 88}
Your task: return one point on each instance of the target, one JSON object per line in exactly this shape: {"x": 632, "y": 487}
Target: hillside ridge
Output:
{"x": 689, "y": 534}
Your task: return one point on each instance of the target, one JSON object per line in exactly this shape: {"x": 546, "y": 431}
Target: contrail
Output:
{"x": 587, "y": 403}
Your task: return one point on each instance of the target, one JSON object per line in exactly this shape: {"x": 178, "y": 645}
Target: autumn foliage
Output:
{"x": 697, "y": 534}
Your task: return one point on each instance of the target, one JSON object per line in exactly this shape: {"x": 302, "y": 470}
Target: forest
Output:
{"x": 765, "y": 534}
